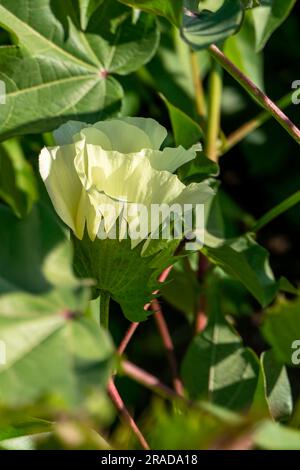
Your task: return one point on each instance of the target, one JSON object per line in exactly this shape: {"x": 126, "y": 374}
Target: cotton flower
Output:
{"x": 112, "y": 163}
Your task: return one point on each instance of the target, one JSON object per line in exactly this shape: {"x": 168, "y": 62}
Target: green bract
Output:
{"x": 94, "y": 171}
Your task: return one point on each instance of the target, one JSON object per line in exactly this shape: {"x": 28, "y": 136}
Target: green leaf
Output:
{"x": 281, "y": 329}
{"x": 268, "y": 17}
{"x": 282, "y": 207}
{"x": 87, "y": 8}
{"x": 34, "y": 252}
{"x": 203, "y": 29}
{"x": 68, "y": 72}
{"x": 216, "y": 365}
{"x": 170, "y": 9}
{"x": 60, "y": 353}
{"x": 198, "y": 169}
{"x": 184, "y": 427}
{"x": 186, "y": 131}
{"x": 18, "y": 186}
{"x": 170, "y": 71}
{"x": 251, "y": 3}
{"x": 50, "y": 347}
{"x": 182, "y": 289}
{"x": 240, "y": 49}
{"x": 246, "y": 261}
{"x": 127, "y": 276}
{"x": 273, "y": 436}
{"x": 277, "y": 387}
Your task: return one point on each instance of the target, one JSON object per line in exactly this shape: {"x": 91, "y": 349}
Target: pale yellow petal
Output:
{"x": 95, "y": 137}
{"x": 63, "y": 184}
{"x": 152, "y": 128}
{"x": 169, "y": 159}
{"x": 124, "y": 137}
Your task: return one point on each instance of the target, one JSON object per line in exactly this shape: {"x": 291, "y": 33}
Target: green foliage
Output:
{"x": 127, "y": 276}
{"x": 268, "y": 17}
{"x": 69, "y": 72}
{"x": 277, "y": 387}
{"x": 279, "y": 327}
{"x": 39, "y": 341}
{"x": 87, "y": 60}
{"x": 170, "y": 9}
{"x": 216, "y": 349}
{"x": 240, "y": 49}
{"x": 186, "y": 131}
{"x": 18, "y": 186}
{"x": 212, "y": 27}
{"x": 246, "y": 261}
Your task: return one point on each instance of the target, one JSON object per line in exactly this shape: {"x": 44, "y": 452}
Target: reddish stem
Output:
{"x": 258, "y": 95}
{"x": 168, "y": 344}
{"x": 126, "y": 340}
{"x": 165, "y": 335}
{"x": 148, "y": 380}
{"x": 120, "y": 406}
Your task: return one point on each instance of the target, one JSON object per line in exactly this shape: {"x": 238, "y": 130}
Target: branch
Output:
{"x": 255, "y": 92}
{"x": 119, "y": 404}
{"x": 276, "y": 211}
{"x": 198, "y": 87}
{"x": 250, "y": 126}
{"x": 168, "y": 344}
{"x": 149, "y": 381}
{"x": 127, "y": 338}
{"x": 214, "y": 111}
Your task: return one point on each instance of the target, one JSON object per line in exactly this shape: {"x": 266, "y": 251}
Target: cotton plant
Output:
{"x": 99, "y": 177}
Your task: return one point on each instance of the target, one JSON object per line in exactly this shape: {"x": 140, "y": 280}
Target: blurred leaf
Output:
{"x": 72, "y": 434}
{"x": 246, "y": 261}
{"x": 186, "y": 131}
{"x": 203, "y": 29}
{"x": 68, "y": 73}
{"x": 60, "y": 353}
{"x": 18, "y": 186}
{"x": 273, "y": 436}
{"x": 286, "y": 286}
{"x": 277, "y": 387}
{"x": 240, "y": 49}
{"x": 281, "y": 329}
{"x": 87, "y": 8}
{"x": 170, "y": 9}
{"x": 216, "y": 365}
{"x": 182, "y": 290}
{"x": 268, "y": 17}
{"x": 169, "y": 72}
{"x": 45, "y": 332}
{"x": 34, "y": 252}
{"x": 187, "y": 428}
{"x": 251, "y": 3}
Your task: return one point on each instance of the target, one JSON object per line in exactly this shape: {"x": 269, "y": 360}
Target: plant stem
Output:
{"x": 214, "y": 111}
{"x": 255, "y": 92}
{"x": 198, "y": 87}
{"x": 127, "y": 338}
{"x": 276, "y": 211}
{"x": 168, "y": 344}
{"x": 104, "y": 309}
{"x": 148, "y": 381}
{"x": 119, "y": 404}
{"x": 250, "y": 126}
